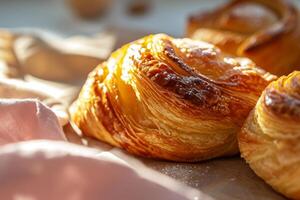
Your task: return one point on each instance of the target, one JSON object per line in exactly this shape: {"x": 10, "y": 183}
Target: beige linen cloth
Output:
{"x": 48, "y": 68}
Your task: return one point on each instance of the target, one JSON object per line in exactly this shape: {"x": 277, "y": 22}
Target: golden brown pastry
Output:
{"x": 174, "y": 99}
{"x": 270, "y": 137}
{"x": 267, "y": 32}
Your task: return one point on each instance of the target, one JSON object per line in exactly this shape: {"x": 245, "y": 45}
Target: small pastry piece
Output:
{"x": 139, "y": 7}
{"x": 267, "y": 32}
{"x": 27, "y": 120}
{"x": 174, "y": 99}
{"x": 35, "y": 169}
{"x": 270, "y": 138}
{"x": 90, "y": 9}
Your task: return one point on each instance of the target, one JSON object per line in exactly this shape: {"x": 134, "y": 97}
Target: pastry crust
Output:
{"x": 174, "y": 99}
{"x": 270, "y": 138}
{"x": 267, "y": 32}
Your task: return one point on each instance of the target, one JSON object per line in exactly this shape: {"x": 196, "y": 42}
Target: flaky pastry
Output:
{"x": 267, "y": 32}
{"x": 167, "y": 98}
{"x": 270, "y": 138}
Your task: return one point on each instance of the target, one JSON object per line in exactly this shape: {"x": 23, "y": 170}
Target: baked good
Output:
{"x": 174, "y": 99}
{"x": 90, "y": 9}
{"x": 267, "y": 32}
{"x": 270, "y": 138}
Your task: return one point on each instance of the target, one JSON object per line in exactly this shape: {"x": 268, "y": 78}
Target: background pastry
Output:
{"x": 270, "y": 138}
{"x": 174, "y": 99}
{"x": 90, "y": 9}
{"x": 267, "y": 32}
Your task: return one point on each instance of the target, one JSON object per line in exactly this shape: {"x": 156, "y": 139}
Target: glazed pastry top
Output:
{"x": 261, "y": 30}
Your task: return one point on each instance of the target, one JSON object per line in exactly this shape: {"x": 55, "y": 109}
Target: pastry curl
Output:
{"x": 270, "y": 138}
{"x": 267, "y": 32}
{"x": 174, "y": 99}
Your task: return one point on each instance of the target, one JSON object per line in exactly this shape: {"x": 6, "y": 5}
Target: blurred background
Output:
{"x": 68, "y": 17}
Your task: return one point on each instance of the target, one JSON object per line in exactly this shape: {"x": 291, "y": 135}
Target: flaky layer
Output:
{"x": 267, "y": 32}
{"x": 167, "y": 98}
{"x": 270, "y": 137}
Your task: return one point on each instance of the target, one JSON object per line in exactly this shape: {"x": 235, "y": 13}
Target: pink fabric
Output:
{"x": 27, "y": 120}
{"x": 47, "y": 170}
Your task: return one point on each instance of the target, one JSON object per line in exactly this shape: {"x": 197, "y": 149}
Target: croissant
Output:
{"x": 267, "y": 32}
{"x": 166, "y": 98}
{"x": 270, "y": 138}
